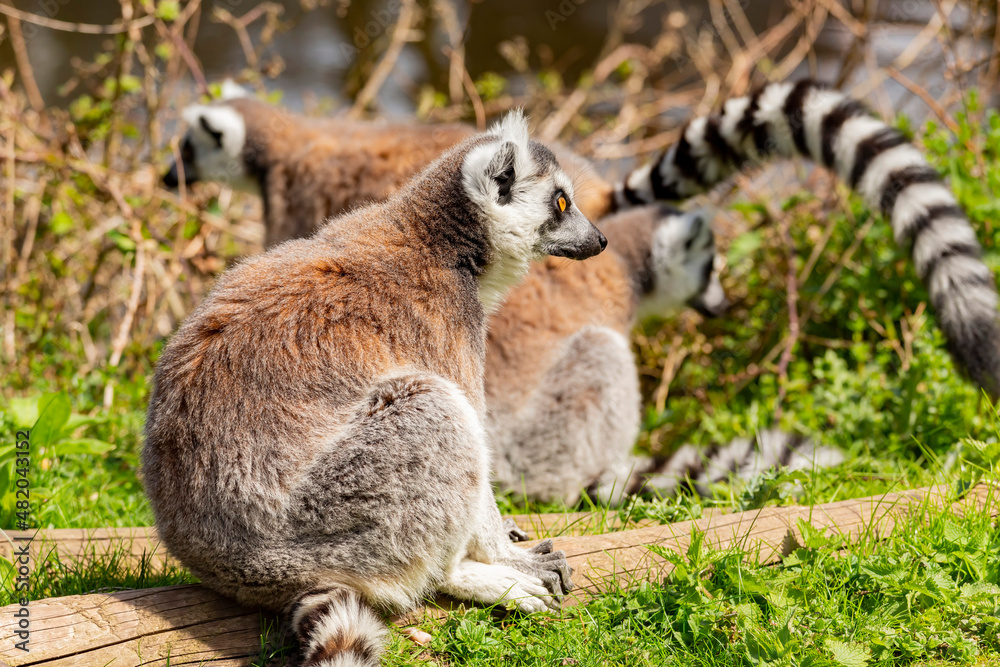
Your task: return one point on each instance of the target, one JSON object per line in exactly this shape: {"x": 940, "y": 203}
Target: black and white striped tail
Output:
{"x": 336, "y": 628}
{"x": 810, "y": 120}
{"x": 744, "y": 458}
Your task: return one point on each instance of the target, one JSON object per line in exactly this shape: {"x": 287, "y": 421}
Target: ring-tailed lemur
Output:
{"x": 810, "y": 120}
{"x": 315, "y": 437}
{"x": 561, "y": 381}
{"x": 564, "y": 395}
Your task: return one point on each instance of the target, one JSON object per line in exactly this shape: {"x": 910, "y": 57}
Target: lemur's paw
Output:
{"x": 513, "y": 532}
{"x": 494, "y": 583}
{"x": 549, "y": 566}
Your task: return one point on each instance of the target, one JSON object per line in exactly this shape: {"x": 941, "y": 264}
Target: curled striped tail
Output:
{"x": 810, "y": 120}
{"x": 336, "y": 628}
{"x": 744, "y": 458}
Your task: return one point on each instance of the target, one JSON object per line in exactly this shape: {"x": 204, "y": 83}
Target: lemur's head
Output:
{"x": 526, "y": 203}
{"x": 213, "y": 147}
{"x": 682, "y": 267}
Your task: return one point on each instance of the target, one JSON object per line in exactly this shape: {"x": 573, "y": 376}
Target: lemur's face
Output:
{"x": 526, "y": 198}
{"x": 525, "y": 202}
{"x": 683, "y": 264}
{"x": 212, "y": 149}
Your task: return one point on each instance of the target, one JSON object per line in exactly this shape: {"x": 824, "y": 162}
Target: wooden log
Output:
{"x": 132, "y": 545}
{"x": 191, "y": 625}
{"x": 83, "y": 545}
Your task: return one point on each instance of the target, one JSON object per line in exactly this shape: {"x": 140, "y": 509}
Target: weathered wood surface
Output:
{"x": 131, "y": 545}
{"x": 623, "y": 559}
{"x": 194, "y": 626}
{"x": 79, "y": 545}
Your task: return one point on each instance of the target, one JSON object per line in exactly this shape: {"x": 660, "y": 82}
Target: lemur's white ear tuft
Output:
{"x": 513, "y": 127}
{"x": 192, "y": 112}
{"x": 231, "y": 90}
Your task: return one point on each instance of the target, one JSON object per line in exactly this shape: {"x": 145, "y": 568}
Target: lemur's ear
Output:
{"x": 501, "y": 169}
{"x": 212, "y": 132}
{"x": 231, "y": 90}
{"x": 513, "y": 127}
{"x": 492, "y": 170}
{"x": 217, "y": 125}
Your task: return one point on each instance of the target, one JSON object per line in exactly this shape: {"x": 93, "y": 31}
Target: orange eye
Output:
{"x": 562, "y": 204}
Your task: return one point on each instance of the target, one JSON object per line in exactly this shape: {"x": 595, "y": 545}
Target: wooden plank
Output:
{"x": 191, "y": 625}
{"x": 185, "y": 624}
{"x": 80, "y": 545}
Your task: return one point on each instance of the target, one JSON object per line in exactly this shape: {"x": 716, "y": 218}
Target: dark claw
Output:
{"x": 566, "y": 573}
{"x": 513, "y": 532}
{"x": 543, "y": 547}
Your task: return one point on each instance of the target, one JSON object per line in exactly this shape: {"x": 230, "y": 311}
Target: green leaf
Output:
{"x": 6, "y": 489}
{"x": 61, "y": 223}
{"x": 122, "y": 241}
{"x": 980, "y": 591}
{"x": 490, "y": 85}
{"x": 954, "y": 533}
{"x": 53, "y": 413}
{"x": 76, "y": 421}
{"x": 7, "y": 571}
{"x": 848, "y": 654}
{"x": 743, "y": 246}
{"x": 746, "y": 580}
{"x": 89, "y": 446}
{"x": 168, "y": 10}
{"x": 24, "y": 410}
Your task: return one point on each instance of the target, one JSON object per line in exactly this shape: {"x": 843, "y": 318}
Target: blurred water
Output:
{"x": 321, "y": 47}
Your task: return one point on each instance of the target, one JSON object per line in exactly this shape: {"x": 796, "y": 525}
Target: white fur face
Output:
{"x": 212, "y": 148}
{"x": 683, "y": 263}
{"x": 527, "y": 204}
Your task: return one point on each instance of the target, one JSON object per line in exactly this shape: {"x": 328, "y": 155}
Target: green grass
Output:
{"x": 105, "y": 571}
{"x": 929, "y": 593}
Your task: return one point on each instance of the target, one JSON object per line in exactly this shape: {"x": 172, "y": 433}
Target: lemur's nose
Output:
{"x": 604, "y": 241}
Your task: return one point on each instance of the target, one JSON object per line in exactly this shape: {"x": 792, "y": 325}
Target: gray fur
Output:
{"x": 577, "y": 427}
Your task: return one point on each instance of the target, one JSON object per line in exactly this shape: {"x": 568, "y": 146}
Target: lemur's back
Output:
{"x": 270, "y": 369}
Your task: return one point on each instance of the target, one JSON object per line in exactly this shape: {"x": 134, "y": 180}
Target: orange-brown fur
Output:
{"x": 556, "y": 300}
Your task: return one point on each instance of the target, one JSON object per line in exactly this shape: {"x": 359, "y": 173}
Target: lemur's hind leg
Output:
{"x": 413, "y": 473}
{"x": 576, "y": 430}
{"x": 396, "y": 496}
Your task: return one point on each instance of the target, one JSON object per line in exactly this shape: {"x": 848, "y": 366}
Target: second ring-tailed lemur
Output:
{"x": 315, "y": 439}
